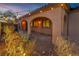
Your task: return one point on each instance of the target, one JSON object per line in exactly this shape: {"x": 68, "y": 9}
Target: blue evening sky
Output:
{"x": 74, "y": 5}
{"x": 23, "y": 8}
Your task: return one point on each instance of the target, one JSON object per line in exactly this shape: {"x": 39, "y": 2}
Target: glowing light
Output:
{"x": 24, "y": 24}
{"x": 39, "y": 22}
{"x": 41, "y": 11}
{"x": 52, "y": 8}
{"x": 62, "y": 4}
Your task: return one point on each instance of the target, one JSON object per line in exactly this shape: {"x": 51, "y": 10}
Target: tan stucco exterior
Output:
{"x": 64, "y": 26}
{"x": 57, "y": 18}
{"x": 74, "y": 26}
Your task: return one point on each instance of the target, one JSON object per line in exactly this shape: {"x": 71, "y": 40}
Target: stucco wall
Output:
{"x": 74, "y": 26}
{"x": 56, "y": 16}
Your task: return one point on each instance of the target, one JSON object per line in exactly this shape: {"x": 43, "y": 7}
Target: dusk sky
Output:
{"x": 74, "y": 5}
{"x": 23, "y": 8}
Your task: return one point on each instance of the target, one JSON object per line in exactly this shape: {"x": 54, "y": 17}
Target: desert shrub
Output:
{"x": 63, "y": 47}
{"x": 15, "y": 45}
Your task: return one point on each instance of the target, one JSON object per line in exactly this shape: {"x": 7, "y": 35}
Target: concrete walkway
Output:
{"x": 43, "y": 44}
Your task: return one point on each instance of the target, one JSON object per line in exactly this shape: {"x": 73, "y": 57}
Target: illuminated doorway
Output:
{"x": 24, "y": 24}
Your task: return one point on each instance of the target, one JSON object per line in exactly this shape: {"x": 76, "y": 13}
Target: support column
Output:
{"x": 29, "y": 30}
{"x": 0, "y": 30}
{"x": 57, "y": 25}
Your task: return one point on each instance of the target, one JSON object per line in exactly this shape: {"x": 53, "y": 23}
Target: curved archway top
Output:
{"x": 40, "y": 17}
{"x": 26, "y": 19}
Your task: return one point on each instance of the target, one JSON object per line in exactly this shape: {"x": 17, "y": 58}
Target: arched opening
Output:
{"x": 41, "y": 25}
{"x": 24, "y": 25}
{"x": 41, "y": 30}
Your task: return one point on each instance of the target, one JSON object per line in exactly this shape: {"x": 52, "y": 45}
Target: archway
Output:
{"x": 24, "y": 25}
{"x": 41, "y": 30}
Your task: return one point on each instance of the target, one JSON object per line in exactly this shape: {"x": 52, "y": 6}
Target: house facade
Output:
{"x": 51, "y": 23}
{"x": 47, "y": 20}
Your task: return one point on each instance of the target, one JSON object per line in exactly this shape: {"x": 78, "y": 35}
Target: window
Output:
{"x": 46, "y": 23}
{"x": 41, "y": 22}
{"x": 37, "y": 23}
{"x": 31, "y": 24}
